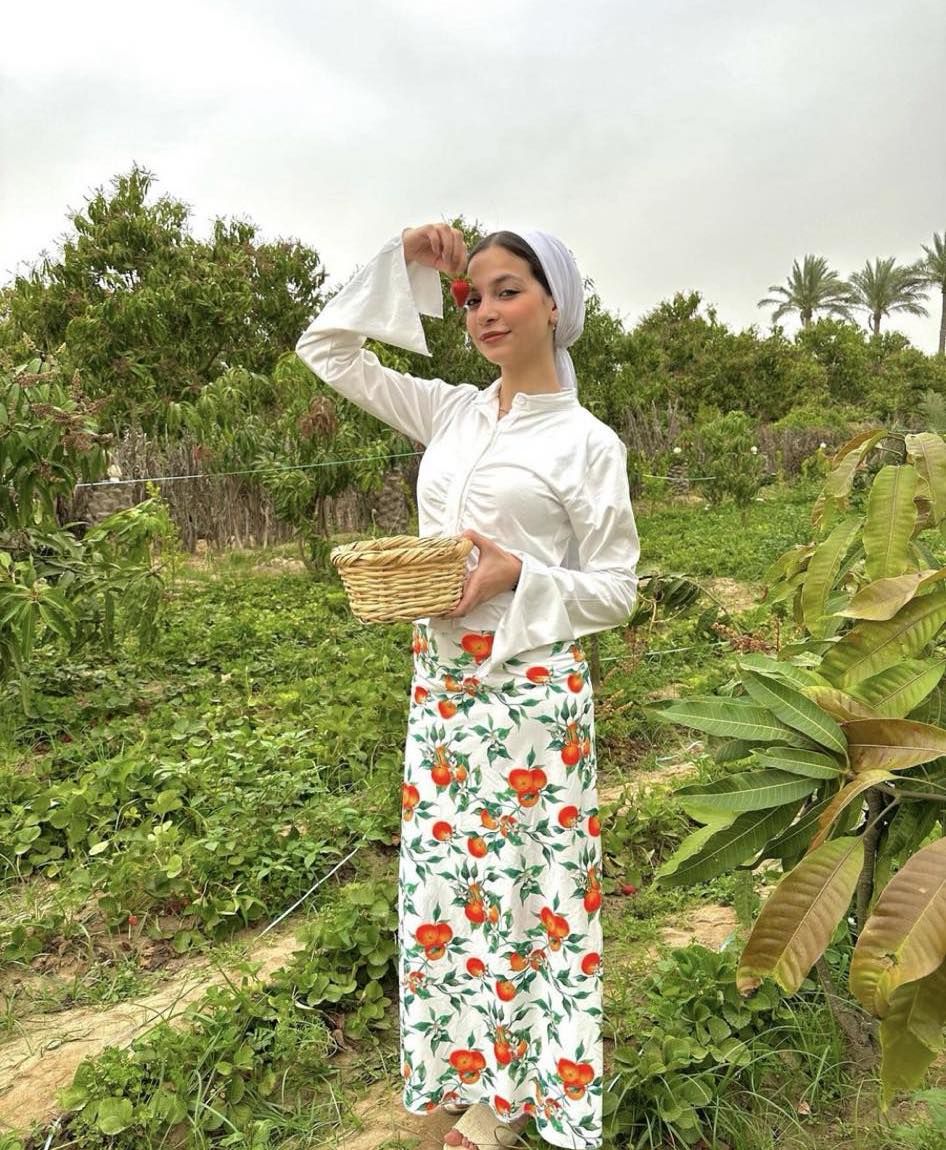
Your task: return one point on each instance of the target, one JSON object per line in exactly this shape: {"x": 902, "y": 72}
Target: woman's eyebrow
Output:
{"x": 499, "y": 279}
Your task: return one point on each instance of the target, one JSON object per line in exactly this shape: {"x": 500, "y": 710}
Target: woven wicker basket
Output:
{"x": 402, "y": 577}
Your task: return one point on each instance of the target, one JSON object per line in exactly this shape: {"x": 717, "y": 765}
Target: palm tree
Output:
{"x": 810, "y": 288}
{"x": 934, "y": 270}
{"x": 882, "y": 288}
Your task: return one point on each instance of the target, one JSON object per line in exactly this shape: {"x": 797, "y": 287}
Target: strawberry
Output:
{"x": 460, "y": 289}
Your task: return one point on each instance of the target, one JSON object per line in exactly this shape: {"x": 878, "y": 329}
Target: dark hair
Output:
{"x": 518, "y": 247}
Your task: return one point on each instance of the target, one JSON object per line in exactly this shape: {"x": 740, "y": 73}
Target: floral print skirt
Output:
{"x": 499, "y": 893}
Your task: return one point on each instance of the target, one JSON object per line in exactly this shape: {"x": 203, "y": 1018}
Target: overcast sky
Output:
{"x": 673, "y": 144}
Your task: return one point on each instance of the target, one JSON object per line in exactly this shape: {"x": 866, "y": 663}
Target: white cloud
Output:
{"x": 691, "y": 144}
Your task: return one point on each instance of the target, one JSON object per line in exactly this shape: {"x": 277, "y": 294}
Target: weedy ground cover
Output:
{"x": 162, "y": 799}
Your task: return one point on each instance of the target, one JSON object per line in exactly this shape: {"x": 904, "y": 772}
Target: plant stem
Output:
{"x": 876, "y": 807}
{"x": 849, "y": 1022}
{"x": 595, "y": 662}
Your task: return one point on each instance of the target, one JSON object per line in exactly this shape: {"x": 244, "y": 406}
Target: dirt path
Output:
{"x": 640, "y": 780}
{"x": 44, "y": 1056}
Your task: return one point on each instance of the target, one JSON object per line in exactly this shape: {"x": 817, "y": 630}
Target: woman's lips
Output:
{"x": 489, "y": 337}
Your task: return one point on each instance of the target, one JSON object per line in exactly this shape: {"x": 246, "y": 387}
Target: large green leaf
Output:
{"x": 727, "y": 847}
{"x": 692, "y": 845}
{"x": 870, "y": 648}
{"x": 811, "y": 764}
{"x": 730, "y": 718}
{"x": 846, "y": 795}
{"x": 795, "y": 710}
{"x": 780, "y": 669}
{"x": 789, "y": 563}
{"x": 822, "y": 572}
{"x": 895, "y": 692}
{"x": 904, "y": 939}
{"x": 891, "y": 518}
{"x": 785, "y": 588}
{"x": 892, "y": 744}
{"x": 794, "y": 841}
{"x": 846, "y": 461}
{"x": 748, "y": 791}
{"x": 800, "y": 915}
{"x": 928, "y": 452}
{"x": 883, "y": 598}
{"x": 911, "y": 1035}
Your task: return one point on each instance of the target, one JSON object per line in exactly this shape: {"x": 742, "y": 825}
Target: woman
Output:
{"x": 500, "y": 867}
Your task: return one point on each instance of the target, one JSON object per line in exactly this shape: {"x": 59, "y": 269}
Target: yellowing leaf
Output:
{"x": 872, "y": 647}
{"x": 846, "y": 795}
{"x": 800, "y": 915}
{"x": 928, "y": 452}
{"x": 891, "y": 518}
{"x": 911, "y": 1035}
{"x": 883, "y": 598}
{"x": 904, "y": 939}
{"x": 892, "y": 744}
{"x": 838, "y": 704}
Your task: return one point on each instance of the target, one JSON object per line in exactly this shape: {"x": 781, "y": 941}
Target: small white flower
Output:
{"x": 822, "y": 446}
{"x": 754, "y": 450}
{"x": 677, "y": 450}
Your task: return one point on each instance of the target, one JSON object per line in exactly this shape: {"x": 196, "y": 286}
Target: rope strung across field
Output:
{"x": 312, "y": 467}
{"x": 301, "y": 900}
{"x": 248, "y": 471}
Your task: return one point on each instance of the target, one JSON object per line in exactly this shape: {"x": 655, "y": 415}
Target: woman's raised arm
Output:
{"x": 384, "y": 300}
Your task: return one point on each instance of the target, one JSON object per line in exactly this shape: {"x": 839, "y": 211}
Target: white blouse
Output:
{"x": 547, "y": 482}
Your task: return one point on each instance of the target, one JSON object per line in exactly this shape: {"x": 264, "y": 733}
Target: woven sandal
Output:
{"x": 483, "y": 1128}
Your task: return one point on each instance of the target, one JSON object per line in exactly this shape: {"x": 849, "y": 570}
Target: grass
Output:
{"x": 257, "y": 742}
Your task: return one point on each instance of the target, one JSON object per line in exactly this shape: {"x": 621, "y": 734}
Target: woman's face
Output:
{"x": 508, "y": 312}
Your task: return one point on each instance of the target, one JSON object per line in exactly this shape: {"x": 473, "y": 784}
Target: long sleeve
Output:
{"x": 552, "y": 604}
{"x": 383, "y": 301}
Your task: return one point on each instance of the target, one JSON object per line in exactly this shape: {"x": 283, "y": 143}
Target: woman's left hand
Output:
{"x": 497, "y": 571}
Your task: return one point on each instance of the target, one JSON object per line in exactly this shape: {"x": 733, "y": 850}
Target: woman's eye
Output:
{"x": 472, "y": 302}
{"x": 508, "y": 291}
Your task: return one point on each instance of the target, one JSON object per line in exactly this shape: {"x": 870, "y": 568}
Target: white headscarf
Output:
{"x": 568, "y": 292}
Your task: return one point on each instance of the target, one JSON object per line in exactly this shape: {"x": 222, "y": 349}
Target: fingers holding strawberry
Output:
{"x": 437, "y": 246}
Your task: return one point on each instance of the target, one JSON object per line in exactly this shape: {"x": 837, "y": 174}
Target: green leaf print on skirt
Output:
{"x": 499, "y": 894}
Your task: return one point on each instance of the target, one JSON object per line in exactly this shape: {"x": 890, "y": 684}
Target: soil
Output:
{"x": 709, "y": 925}
{"x": 383, "y": 1122}
{"x": 733, "y": 595}
{"x": 639, "y": 781}
{"x": 44, "y": 1056}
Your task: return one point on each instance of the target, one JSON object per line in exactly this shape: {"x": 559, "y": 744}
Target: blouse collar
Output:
{"x": 521, "y": 401}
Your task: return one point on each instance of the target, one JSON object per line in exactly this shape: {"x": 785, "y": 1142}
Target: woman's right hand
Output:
{"x": 436, "y": 246}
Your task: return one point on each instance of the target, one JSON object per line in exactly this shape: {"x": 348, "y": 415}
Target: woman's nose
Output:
{"x": 486, "y": 312}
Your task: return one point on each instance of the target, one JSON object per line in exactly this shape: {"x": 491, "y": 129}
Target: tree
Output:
{"x": 57, "y": 588}
{"x": 881, "y": 288}
{"x": 811, "y": 288}
{"x": 843, "y": 733}
{"x": 934, "y": 268}
{"x": 150, "y": 314}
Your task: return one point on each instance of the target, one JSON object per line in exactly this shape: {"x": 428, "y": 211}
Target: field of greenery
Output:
{"x": 201, "y": 753}
{"x": 168, "y": 796}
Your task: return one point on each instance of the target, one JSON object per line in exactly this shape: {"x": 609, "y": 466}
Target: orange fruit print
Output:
{"x": 499, "y": 886}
